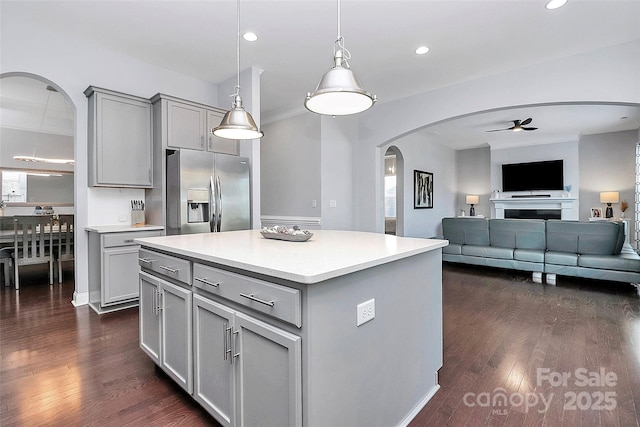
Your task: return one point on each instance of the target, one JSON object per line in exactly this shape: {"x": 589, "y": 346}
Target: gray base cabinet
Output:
{"x": 113, "y": 269}
{"x": 246, "y": 372}
{"x": 165, "y": 327}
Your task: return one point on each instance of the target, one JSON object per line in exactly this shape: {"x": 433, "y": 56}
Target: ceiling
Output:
{"x": 468, "y": 40}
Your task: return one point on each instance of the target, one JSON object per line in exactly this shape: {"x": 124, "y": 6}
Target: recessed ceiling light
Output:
{"x": 555, "y": 4}
{"x": 250, "y": 37}
{"x": 421, "y": 50}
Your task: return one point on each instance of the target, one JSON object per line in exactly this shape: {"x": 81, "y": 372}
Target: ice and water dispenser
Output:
{"x": 197, "y": 205}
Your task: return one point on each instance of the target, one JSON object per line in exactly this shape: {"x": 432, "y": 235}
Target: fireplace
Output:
{"x": 533, "y": 213}
{"x": 536, "y": 207}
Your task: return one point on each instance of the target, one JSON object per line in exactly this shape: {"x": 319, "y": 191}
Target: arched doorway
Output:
{"x": 393, "y": 191}
{"x": 37, "y": 127}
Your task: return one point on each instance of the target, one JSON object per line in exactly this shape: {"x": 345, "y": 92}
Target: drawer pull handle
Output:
{"x": 128, "y": 241}
{"x": 206, "y": 282}
{"x": 169, "y": 269}
{"x": 145, "y": 260}
{"x": 261, "y": 301}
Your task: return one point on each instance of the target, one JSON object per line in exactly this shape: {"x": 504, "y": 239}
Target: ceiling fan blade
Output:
{"x": 526, "y": 122}
{"x": 497, "y": 130}
{"x": 529, "y": 128}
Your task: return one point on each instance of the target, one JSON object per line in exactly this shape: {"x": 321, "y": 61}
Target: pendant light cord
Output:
{"x": 238, "y": 45}
{"x": 338, "y": 46}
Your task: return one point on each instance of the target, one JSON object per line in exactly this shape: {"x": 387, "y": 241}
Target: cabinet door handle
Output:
{"x": 226, "y": 336}
{"x": 145, "y": 260}
{"x": 160, "y": 301}
{"x": 156, "y": 302}
{"x": 202, "y": 141}
{"x": 261, "y": 301}
{"x": 169, "y": 269}
{"x": 206, "y": 282}
{"x": 232, "y": 336}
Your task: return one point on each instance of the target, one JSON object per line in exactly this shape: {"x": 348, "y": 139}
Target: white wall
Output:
{"x": 421, "y": 154}
{"x": 607, "y": 163}
{"x": 604, "y": 75}
{"x": 336, "y": 152}
{"x": 473, "y": 169}
{"x": 290, "y": 153}
{"x": 71, "y": 65}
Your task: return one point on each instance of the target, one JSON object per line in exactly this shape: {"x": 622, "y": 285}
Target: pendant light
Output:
{"x": 237, "y": 123}
{"x": 339, "y": 92}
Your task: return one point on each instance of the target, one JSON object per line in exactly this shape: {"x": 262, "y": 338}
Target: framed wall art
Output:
{"x": 422, "y": 190}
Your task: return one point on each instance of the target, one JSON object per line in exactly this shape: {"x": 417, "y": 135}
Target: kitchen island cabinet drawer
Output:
{"x": 126, "y": 238}
{"x": 166, "y": 265}
{"x": 278, "y": 301}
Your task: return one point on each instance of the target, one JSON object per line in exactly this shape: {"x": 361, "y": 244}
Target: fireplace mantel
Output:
{"x": 567, "y": 205}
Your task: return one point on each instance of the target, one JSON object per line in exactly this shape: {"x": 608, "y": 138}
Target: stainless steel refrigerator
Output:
{"x": 207, "y": 192}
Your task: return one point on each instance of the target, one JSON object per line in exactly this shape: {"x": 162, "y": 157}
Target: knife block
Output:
{"x": 137, "y": 218}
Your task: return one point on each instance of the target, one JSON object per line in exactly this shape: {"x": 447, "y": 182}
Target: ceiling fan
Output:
{"x": 517, "y": 126}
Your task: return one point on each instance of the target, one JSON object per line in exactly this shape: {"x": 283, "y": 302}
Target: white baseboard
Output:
{"x": 421, "y": 404}
{"x": 80, "y": 298}
{"x": 304, "y": 222}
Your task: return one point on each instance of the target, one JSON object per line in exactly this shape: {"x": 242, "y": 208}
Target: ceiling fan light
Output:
{"x": 339, "y": 93}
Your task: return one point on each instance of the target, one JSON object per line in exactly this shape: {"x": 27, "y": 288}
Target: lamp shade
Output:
{"x": 237, "y": 123}
{"x": 472, "y": 200}
{"x": 339, "y": 93}
{"x": 609, "y": 197}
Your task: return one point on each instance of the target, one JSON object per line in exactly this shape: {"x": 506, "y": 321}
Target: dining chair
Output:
{"x": 6, "y": 250}
{"x": 33, "y": 243}
{"x": 64, "y": 246}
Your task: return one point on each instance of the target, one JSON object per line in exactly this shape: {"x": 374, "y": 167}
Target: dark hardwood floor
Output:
{"x": 61, "y": 365}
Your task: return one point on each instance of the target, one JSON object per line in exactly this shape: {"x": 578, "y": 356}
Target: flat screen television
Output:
{"x": 547, "y": 175}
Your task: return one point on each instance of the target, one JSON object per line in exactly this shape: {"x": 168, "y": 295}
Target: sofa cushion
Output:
{"x": 561, "y": 258}
{"x": 531, "y": 255}
{"x": 562, "y": 236}
{"x": 487, "y": 252}
{"x": 591, "y": 238}
{"x": 452, "y": 248}
{"x": 517, "y": 233}
{"x": 466, "y": 231}
{"x": 611, "y": 262}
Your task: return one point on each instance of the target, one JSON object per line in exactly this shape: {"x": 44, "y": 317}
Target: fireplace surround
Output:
{"x": 533, "y": 207}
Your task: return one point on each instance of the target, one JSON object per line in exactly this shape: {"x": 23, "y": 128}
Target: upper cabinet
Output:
{"x": 185, "y": 124}
{"x": 120, "y": 139}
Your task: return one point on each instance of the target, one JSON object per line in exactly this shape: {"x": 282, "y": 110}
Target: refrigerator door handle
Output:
{"x": 212, "y": 205}
{"x": 219, "y": 204}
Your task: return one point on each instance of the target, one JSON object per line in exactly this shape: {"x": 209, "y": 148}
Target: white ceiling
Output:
{"x": 468, "y": 39}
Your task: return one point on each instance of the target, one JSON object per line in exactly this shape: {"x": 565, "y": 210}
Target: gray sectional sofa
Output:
{"x": 552, "y": 247}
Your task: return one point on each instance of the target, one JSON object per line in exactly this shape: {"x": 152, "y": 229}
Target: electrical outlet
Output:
{"x": 314, "y": 203}
{"x": 333, "y": 203}
{"x": 365, "y": 311}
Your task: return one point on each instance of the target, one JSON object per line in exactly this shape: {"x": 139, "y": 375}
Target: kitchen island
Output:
{"x": 344, "y": 329}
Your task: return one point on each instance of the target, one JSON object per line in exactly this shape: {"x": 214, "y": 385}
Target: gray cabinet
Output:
{"x": 216, "y": 144}
{"x": 113, "y": 269}
{"x": 246, "y": 372}
{"x": 165, "y": 327}
{"x": 185, "y": 126}
{"x": 120, "y": 139}
{"x": 188, "y": 125}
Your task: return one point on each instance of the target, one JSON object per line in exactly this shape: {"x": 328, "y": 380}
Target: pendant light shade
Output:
{"x": 339, "y": 92}
{"x": 237, "y": 123}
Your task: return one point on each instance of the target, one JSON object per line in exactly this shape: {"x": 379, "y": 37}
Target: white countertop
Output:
{"x": 326, "y": 255}
{"x": 121, "y": 228}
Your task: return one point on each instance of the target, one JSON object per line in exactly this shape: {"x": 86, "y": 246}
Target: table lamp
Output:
{"x": 472, "y": 200}
{"x": 609, "y": 197}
